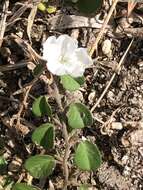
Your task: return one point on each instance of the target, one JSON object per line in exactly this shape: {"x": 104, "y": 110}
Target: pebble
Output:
{"x": 125, "y": 159}
{"x": 15, "y": 165}
{"x": 91, "y": 97}
{"x": 110, "y": 96}
{"x": 117, "y": 125}
{"x": 106, "y": 48}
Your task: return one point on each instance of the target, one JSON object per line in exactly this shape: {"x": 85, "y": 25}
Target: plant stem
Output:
{"x": 66, "y": 156}
{"x": 66, "y": 137}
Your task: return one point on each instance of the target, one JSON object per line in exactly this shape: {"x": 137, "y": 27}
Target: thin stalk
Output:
{"x": 66, "y": 137}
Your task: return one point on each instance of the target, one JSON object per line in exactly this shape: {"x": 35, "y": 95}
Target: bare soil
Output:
{"x": 118, "y": 118}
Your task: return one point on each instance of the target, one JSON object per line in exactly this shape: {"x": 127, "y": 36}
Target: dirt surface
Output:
{"x": 118, "y": 118}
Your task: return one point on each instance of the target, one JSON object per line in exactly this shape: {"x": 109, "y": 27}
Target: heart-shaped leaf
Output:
{"x": 23, "y": 186}
{"x": 74, "y": 118}
{"x": 86, "y": 115}
{"x": 87, "y": 156}
{"x": 44, "y": 136}
{"x": 89, "y": 6}
{"x": 40, "y": 165}
{"x": 79, "y": 116}
{"x": 41, "y": 107}
{"x": 70, "y": 83}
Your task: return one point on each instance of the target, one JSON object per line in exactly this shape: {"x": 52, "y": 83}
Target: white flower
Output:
{"x": 64, "y": 57}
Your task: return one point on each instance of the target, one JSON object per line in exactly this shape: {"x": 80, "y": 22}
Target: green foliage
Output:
{"x": 89, "y": 6}
{"x": 3, "y": 164}
{"x": 70, "y": 83}
{"x": 6, "y": 183}
{"x": 44, "y": 136}
{"x": 41, "y": 7}
{"x": 74, "y": 118}
{"x": 23, "y": 186}
{"x": 79, "y": 116}
{"x": 83, "y": 187}
{"x": 80, "y": 80}
{"x": 51, "y": 9}
{"x": 40, "y": 165}
{"x": 38, "y": 69}
{"x": 41, "y": 107}
{"x": 87, "y": 156}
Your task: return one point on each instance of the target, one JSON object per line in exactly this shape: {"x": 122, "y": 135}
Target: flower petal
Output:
{"x": 82, "y": 56}
{"x": 67, "y": 44}
{"x": 75, "y": 69}
{"x": 56, "y": 68}
{"x": 78, "y": 62}
{"x": 48, "y": 47}
{"x": 64, "y": 57}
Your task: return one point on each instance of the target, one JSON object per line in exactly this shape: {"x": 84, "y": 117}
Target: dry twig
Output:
{"x": 112, "y": 78}
{"x": 10, "y": 67}
{"x": 100, "y": 34}
{"x": 3, "y": 20}
{"x": 60, "y": 22}
{"x": 17, "y": 14}
{"x": 31, "y": 20}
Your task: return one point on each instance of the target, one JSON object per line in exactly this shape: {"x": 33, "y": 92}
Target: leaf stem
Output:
{"x": 66, "y": 137}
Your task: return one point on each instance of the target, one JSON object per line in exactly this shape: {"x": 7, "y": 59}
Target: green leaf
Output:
{"x": 87, "y": 156}
{"x": 41, "y": 107}
{"x": 86, "y": 115}
{"x": 39, "y": 68}
{"x": 3, "y": 164}
{"x": 51, "y": 9}
{"x": 89, "y": 6}
{"x": 74, "y": 118}
{"x": 41, "y": 7}
{"x": 69, "y": 83}
{"x": 23, "y": 186}
{"x": 40, "y": 165}
{"x": 7, "y": 183}
{"x": 83, "y": 187}
{"x": 79, "y": 116}
{"x": 44, "y": 136}
{"x": 80, "y": 80}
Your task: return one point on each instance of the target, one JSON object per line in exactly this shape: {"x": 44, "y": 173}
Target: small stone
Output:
{"x": 106, "y": 48}
{"x": 91, "y": 97}
{"x": 125, "y": 159}
{"x": 117, "y": 125}
{"x": 15, "y": 165}
{"x": 110, "y": 96}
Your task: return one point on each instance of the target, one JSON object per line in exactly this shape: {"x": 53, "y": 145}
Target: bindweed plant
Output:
{"x": 66, "y": 62}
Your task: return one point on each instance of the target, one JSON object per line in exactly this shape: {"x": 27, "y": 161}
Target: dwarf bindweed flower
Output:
{"x": 64, "y": 57}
